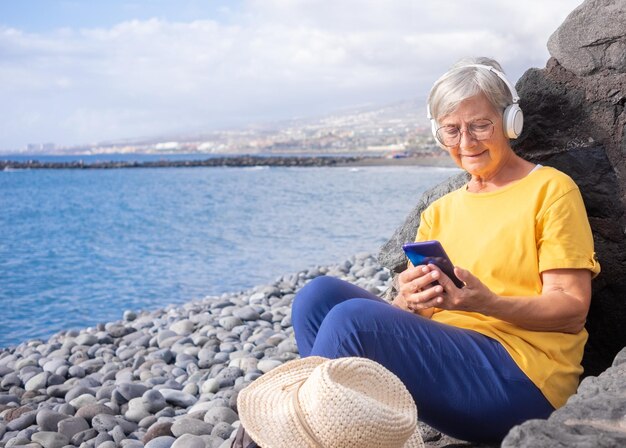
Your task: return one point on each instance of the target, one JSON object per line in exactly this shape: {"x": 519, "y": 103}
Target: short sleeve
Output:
{"x": 564, "y": 238}
{"x": 424, "y": 229}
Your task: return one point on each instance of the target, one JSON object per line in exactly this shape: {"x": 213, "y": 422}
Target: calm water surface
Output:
{"x": 80, "y": 247}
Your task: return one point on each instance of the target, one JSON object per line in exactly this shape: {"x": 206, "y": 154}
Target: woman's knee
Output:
{"x": 320, "y": 289}
{"x": 355, "y": 314}
{"x": 351, "y": 328}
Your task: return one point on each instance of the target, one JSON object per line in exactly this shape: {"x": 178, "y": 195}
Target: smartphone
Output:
{"x": 425, "y": 252}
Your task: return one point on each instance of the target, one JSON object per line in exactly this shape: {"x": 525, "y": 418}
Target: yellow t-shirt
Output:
{"x": 507, "y": 238}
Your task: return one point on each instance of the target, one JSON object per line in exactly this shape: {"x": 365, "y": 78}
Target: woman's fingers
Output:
{"x": 437, "y": 288}
{"x": 426, "y": 298}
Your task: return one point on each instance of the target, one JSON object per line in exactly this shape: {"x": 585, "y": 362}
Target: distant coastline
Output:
{"x": 236, "y": 161}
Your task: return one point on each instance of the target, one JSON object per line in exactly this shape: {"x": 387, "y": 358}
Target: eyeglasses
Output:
{"x": 450, "y": 135}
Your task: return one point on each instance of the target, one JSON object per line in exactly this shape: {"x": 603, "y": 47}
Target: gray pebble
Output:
{"x": 190, "y": 426}
{"x": 37, "y": 382}
{"x": 16, "y": 441}
{"x": 118, "y": 434}
{"x": 182, "y": 327}
{"x": 189, "y": 441}
{"x": 222, "y": 430}
{"x": 129, "y": 391}
{"x": 107, "y": 444}
{"x": 49, "y": 439}
{"x": 101, "y": 438}
{"x": 9, "y": 398}
{"x": 265, "y": 365}
{"x": 86, "y": 339}
{"x": 12, "y": 379}
{"x": 178, "y": 398}
{"x": 246, "y": 313}
{"x": 104, "y": 422}
{"x": 83, "y": 436}
{"x": 230, "y": 322}
{"x": 77, "y": 391}
{"x": 72, "y": 425}
{"x": 161, "y": 442}
{"x": 23, "y": 421}
{"x": 48, "y": 420}
{"x": 220, "y": 414}
{"x": 153, "y": 401}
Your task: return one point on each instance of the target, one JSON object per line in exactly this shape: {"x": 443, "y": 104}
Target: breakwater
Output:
{"x": 229, "y": 161}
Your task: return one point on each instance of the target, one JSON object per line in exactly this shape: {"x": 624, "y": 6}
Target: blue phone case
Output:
{"x": 425, "y": 252}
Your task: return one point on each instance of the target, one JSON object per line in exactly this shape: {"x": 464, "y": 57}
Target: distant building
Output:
{"x": 167, "y": 146}
{"x": 40, "y": 147}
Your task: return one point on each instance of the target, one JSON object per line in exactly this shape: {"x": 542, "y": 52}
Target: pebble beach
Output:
{"x": 160, "y": 378}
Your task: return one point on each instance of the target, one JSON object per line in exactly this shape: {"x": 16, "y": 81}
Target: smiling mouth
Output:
{"x": 474, "y": 155}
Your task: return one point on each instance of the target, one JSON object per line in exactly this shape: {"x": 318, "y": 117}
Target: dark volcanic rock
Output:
{"x": 575, "y": 121}
{"x": 575, "y": 117}
{"x": 594, "y": 417}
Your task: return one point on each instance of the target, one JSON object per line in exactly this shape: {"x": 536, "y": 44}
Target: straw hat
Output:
{"x": 326, "y": 403}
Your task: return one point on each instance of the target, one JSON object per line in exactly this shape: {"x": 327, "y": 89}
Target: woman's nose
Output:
{"x": 467, "y": 140}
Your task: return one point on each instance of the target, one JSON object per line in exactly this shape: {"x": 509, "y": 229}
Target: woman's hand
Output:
{"x": 444, "y": 294}
{"x": 562, "y": 305}
{"x": 414, "y": 286}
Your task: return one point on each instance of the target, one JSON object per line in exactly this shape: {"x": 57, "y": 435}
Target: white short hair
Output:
{"x": 463, "y": 81}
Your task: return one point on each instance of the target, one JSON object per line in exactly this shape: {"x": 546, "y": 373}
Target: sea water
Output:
{"x": 78, "y": 247}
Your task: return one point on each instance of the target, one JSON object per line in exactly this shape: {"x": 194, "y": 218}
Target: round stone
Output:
{"x": 183, "y": 327}
{"x": 91, "y": 410}
{"x": 178, "y": 398}
{"x": 265, "y": 365}
{"x": 246, "y": 313}
{"x": 72, "y": 425}
{"x": 48, "y": 420}
{"x": 220, "y": 414}
{"x": 230, "y": 322}
{"x": 37, "y": 382}
{"x": 189, "y": 441}
{"x": 49, "y": 439}
{"x": 210, "y": 386}
{"x": 191, "y": 426}
{"x": 161, "y": 442}
{"x": 86, "y": 339}
{"x": 159, "y": 429}
{"x": 222, "y": 430}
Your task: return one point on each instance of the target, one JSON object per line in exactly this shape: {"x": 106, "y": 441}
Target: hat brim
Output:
{"x": 415, "y": 441}
{"x": 264, "y": 406}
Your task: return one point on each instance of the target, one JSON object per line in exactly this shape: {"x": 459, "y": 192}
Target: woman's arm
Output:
{"x": 562, "y": 305}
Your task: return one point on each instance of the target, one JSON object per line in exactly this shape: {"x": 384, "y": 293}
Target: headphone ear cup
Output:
{"x": 513, "y": 121}
{"x": 433, "y": 129}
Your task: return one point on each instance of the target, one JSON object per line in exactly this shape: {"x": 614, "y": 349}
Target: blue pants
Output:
{"x": 465, "y": 384}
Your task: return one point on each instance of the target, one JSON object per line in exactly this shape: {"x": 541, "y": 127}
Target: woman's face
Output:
{"x": 479, "y": 158}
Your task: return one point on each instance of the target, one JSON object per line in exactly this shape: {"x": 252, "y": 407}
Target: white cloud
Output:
{"x": 274, "y": 58}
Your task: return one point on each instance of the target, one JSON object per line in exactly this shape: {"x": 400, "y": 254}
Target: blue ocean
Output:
{"x": 78, "y": 247}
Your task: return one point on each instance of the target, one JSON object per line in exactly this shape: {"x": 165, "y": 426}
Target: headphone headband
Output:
{"x": 512, "y": 117}
{"x": 500, "y": 75}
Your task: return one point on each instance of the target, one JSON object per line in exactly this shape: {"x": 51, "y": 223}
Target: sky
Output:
{"x": 78, "y": 72}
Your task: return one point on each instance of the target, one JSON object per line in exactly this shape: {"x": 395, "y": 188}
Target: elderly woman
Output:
{"x": 507, "y": 346}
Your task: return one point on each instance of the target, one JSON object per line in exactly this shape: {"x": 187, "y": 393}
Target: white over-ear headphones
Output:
{"x": 512, "y": 117}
